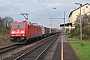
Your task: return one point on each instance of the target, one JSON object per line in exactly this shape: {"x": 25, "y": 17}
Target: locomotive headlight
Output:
{"x": 13, "y": 32}
{"x": 22, "y": 32}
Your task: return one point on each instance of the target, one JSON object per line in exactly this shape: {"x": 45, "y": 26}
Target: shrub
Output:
{"x": 4, "y": 31}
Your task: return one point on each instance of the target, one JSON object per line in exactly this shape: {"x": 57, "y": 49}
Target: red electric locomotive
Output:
{"x": 22, "y": 32}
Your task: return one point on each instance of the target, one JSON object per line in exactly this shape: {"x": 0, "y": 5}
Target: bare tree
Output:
{"x": 7, "y": 21}
{"x": 85, "y": 26}
{"x": 84, "y": 19}
{"x": 1, "y": 22}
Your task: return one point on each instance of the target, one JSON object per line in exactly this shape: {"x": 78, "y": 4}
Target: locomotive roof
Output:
{"x": 21, "y": 22}
{"x": 34, "y": 24}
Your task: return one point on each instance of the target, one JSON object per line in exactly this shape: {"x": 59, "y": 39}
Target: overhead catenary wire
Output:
{"x": 18, "y": 5}
{"x": 25, "y": 10}
{"x": 51, "y": 3}
{"x": 22, "y": 11}
{"x": 47, "y": 8}
{"x": 54, "y": 6}
{"x": 11, "y": 6}
{"x": 24, "y": 14}
{"x": 44, "y": 8}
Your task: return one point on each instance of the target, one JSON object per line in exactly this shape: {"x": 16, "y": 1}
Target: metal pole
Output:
{"x": 80, "y": 23}
{"x": 64, "y": 23}
{"x": 51, "y": 22}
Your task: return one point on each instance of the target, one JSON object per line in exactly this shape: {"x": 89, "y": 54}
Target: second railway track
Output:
{"x": 5, "y": 49}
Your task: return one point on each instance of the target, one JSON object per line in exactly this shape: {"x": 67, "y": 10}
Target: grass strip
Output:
{"x": 83, "y": 52}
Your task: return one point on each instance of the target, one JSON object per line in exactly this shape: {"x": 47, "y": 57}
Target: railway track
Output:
{"x": 14, "y": 51}
{"x": 36, "y": 52}
{"x": 11, "y": 50}
{"x": 7, "y": 48}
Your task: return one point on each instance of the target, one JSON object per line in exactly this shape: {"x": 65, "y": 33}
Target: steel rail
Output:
{"x": 30, "y": 51}
{"x": 46, "y": 48}
{"x": 7, "y": 48}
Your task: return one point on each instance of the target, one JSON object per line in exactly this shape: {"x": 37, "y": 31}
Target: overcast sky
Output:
{"x": 40, "y": 11}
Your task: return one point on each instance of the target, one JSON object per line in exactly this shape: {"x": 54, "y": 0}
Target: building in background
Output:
{"x": 85, "y": 9}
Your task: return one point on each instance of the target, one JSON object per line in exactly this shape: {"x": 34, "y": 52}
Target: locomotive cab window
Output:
{"x": 18, "y": 26}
